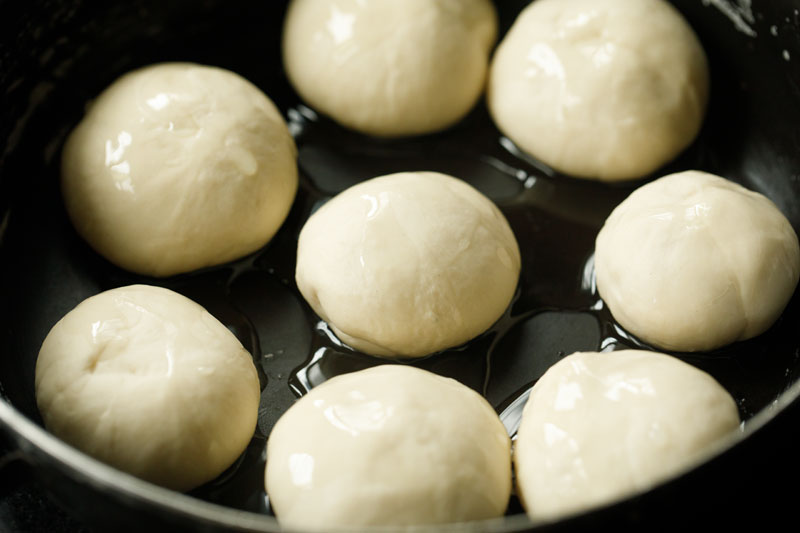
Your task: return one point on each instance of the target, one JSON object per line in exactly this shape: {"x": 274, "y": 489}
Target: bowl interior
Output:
{"x": 58, "y": 55}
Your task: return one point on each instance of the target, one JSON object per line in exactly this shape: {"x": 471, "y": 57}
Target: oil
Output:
{"x": 46, "y": 269}
{"x": 555, "y": 312}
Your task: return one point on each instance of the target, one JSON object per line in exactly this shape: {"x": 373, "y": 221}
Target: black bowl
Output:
{"x": 57, "y": 55}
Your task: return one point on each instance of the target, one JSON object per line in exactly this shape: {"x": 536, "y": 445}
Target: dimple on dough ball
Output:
{"x": 149, "y": 382}
{"x": 389, "y": 68}
{"x": 179, "y": 166}
{"x": 598, "y": 427}
{"x": 692, "y": 262}
{"x": 408, "y": 264}
{"x": 600, "y": 89}
{"x": 388, "y": 446}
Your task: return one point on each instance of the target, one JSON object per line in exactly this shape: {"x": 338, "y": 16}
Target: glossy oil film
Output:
{"x": 47, "y": 269}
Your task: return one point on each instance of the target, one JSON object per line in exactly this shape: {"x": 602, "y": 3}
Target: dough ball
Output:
{"x": 388, "y": 446}
{"x": 178, "y": 166}
{"x": 147, "y": 381}
{"x": 600, "y": 426}
{"x": 408, "y": 264}
{"x": 600, "y": 89}
{"x": 389, "y": 68}
{"x": 692, "y": 262}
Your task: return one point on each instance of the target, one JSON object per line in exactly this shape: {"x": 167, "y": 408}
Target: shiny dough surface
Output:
{"x": 392, "y": 445}
{"x": 389, "y": 68}
{"x": 178, "y": 166}
{"x": 408, "y": 264}
{"x": 600, "y": 426}
{"x": 599, "y": 89}
{"x": 148, "y": 381}
{"x": 692, "y": 262}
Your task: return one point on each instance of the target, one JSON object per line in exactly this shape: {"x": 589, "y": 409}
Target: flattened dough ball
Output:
{"x": 388, "y": 446}
{"x": 148, "y": 381}
{"x": 692, "y": 262}
{"x": 389, "y": 68}
{"x": 600, "y": 89}
{"x": 600, "y": 426}
{"x": 179, "y": 166}
{"x": 408, "y": 264}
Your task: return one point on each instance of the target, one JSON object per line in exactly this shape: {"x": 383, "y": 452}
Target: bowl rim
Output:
{"x": 79, "y": 466}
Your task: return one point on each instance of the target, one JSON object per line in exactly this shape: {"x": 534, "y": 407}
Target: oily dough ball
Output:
{"x": 598, "y": 427}
{"x": 389, "y": 446}
{"x": 149, "y": 382}
{"x": 389, "y": 68}
{"x": 179, "y": 166}
{"x": 692, "y": 262}
{"x": 600, "y": 89}
{"x": 408, "y": 264}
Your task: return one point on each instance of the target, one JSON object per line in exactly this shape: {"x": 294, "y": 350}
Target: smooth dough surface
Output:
{"x": 408, "y": 264}
{"x": 391, "y": 445}
{"x": 389, "y": 68}
{"x": 692, "y": 262}
{"x": 600, "y": 89}
{"x": 179, "y": 166}
{"x": 148, "y": 381}
{"x": 599, "y": 426}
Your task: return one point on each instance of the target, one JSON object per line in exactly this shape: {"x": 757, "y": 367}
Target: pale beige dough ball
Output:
{"x": 408, "y": 264}
{"x": 600, "y": 89}
{"x": 148, "y": 381}
{"x": 692, "y": 262}
{"x": 389, "y": 68}
{"x": 178, "y": 166}
{"x": 388, "y": 446}
{"x": 598, "y": 427}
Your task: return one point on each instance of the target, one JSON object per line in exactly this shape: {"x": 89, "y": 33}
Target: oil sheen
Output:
{"x": 556, "y": 309}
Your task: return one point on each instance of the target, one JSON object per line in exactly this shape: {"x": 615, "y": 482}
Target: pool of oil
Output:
{"x": 46, "y": 269}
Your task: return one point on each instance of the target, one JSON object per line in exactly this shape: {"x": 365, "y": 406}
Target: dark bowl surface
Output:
{"x": 57, "y": 55}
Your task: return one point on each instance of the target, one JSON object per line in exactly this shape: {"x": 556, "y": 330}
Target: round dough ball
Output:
{"x": 600, "y": 426}
{"x": 388, "y": 446}
{"x": 148, "y": 381}
{"x": 692, "y": 262}
{"x": 178, "y": 166}
{"x": 600, "y": 89}
{"x": 408, "y": 264}
{"x": 389, "y": 68}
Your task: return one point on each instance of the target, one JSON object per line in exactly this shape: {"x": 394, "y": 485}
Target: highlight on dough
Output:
{"x": 408, "y": 264}
{"x": 600, "y": 89}
{"x": 392, "y": 445}
{"x": 693, "y": 261}
{"x": 178, "y": 166}
{"x": 146, "y": 380}
{"x": 389, "y": 69}
{"x": 598, "y": 427}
